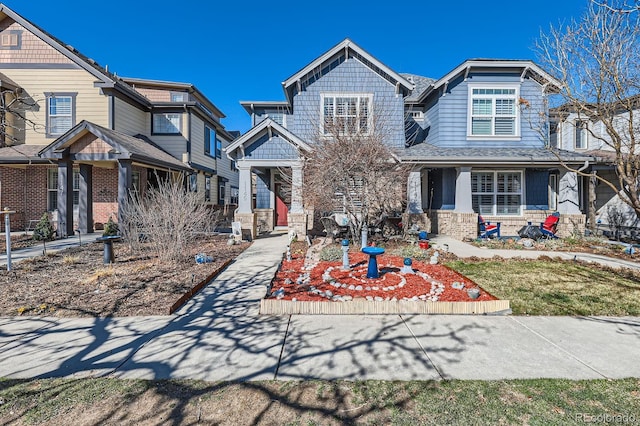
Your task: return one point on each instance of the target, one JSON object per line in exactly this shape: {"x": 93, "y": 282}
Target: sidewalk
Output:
{"x": 52, "y": 246}
{"x": 462, "y": 249}
{"x": 219, "y": 335}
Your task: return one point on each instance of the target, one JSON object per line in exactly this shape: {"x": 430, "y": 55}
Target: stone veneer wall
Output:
{"x": 465, "y": 225}
{"x": 248, "y": 221}
{"x": 299, "y": 223}
{"x": 264, "y": 219}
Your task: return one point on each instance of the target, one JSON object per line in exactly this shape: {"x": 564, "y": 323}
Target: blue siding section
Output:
{"x": 274, "y": 149}
{"x": 443, "y": 183}
{"x": 451, "y": 112}
{"x": 350, "y": 77}
{"x": 263, "y": 194}
{"x": 536, "y": 191}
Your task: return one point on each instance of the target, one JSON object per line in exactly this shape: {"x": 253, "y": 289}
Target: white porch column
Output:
{"x": 463, "y": 190}
{"x": 414, "y": 192}
{"x": 568, "y": 193}
{"x": 244, "y": 196}
{"x": 296, "y": 189}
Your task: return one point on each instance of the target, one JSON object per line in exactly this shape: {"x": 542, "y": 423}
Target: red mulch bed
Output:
{"x": 326, "y": 281}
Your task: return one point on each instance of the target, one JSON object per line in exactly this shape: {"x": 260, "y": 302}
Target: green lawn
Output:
{"x": 515, "y": 402}
{"x": 555, "y": 287}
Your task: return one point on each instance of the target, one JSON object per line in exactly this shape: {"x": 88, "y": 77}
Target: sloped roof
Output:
{"x": 421, "y": 84}
{"x": 21, "y": 154}
{"x": 253, "y": 134}
{"x": 355, "y": 51}
{"x": 7, "y": 83}
{"x": 527, "y": 66}
{"x": 138, "y": 148}
{"x": 427, "y": 153}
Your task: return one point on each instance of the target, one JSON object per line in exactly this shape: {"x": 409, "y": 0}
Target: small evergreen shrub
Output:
{"x": 110, "y": 228}
{"x": 331, "y": 253}
{"x": 44, "y": 231}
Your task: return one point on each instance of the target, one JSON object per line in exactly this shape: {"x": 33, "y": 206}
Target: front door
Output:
{"x": 281, "y": 204}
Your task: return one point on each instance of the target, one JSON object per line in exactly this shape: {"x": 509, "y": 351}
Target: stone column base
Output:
{"x": 298, "y": 222}
{"x": 457, "y": 225}
{"x": 248, "y": 221}
{"x": 571, "y": 225}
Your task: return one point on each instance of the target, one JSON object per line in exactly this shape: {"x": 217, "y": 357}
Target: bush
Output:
{"x": 44, "y": 231}
{"x": 110, "y": 228}
{"x": 331, "y": 253}
{"x": 412, "y": 251}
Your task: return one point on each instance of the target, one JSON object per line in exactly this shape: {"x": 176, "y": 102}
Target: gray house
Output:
{"x": 471, "y": 137}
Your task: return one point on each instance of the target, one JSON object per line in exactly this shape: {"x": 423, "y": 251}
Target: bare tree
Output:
{"x": 15, "y": 109}
{"x": 597, "y": 60}
{"x": 168, "y": 218}
{"x": 351, "y": 169}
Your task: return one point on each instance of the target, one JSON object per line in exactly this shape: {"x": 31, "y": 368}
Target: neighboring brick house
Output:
{"x": 84, "y": 138}
{"x": 470, "y": 145}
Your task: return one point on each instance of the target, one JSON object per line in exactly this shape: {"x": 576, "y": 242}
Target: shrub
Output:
{"x": 110, "y": 228}
{"x": 412, "y": 251}
{"x": 331, "y": 253}
{"x": 44, "y": 231}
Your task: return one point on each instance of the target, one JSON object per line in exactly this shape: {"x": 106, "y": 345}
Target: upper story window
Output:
{"x": 209, "y": 139}
{"x": 580, "y": 137}
{"x": 61, "y": 113}
{"x": 10, "y": 39}
{"x": 218, "y": 148}
{"x": 493, "y": 112}
{"x": 179, "y": 97}
{"x": 167, "y": 123}
{"x": 346, "y": 113}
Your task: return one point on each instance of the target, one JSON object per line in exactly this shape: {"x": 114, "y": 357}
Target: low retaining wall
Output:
{"x": 359, "y": 307}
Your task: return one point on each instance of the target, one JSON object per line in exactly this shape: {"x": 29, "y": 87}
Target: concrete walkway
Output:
{"x": 220, "y": 335}
{"x": 52, "y": 246}
{"x": 462, "y": 249}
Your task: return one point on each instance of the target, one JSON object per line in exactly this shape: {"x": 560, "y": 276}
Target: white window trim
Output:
{"x": 495, "y": 192}
{"x": 347, "y": 95}
{"x": 416, "y": 115}
{"x": 470, "y": 97}
{"x": 585, "y": 136}
{"x": 180, "y": 124}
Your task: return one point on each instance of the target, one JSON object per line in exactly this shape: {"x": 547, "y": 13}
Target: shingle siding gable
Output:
{"x": 350, "y": 77}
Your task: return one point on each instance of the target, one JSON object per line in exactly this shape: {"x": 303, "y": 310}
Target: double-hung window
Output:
{"x": 167, "y": 123}
{"x": 493, "y": 112}
{"x": 52, "y": 189}
{"x": 60, "y": 113}
{"x": 497, "y": 193}
{"x": 580, "y": 137}
{"x": 346, "y": 114}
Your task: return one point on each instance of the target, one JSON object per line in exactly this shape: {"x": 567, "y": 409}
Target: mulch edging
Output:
{"x": 188, "y": 295}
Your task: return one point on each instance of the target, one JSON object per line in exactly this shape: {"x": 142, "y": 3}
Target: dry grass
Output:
{"x": 75, "y": 282}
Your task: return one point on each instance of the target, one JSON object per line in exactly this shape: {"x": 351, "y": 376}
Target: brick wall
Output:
{"x": 105, "y": 195}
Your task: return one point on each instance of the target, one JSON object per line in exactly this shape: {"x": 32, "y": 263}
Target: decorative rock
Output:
{"x": 288, "y": 281}
{"x": 457, "y": 285}
{"x": 378, "y": 299}
{"x": 359, "y": 288}
{"x": 415, "y": 298}
{"x": 367, "y": 288}
{"x": 347, "y": 298}
{"x": 369, "y": 298}
{"x": 375, "y": 288}
{"x": 294, "y": 300}
{"x": 329, "y": 293}
{"x": 351, "y": 287}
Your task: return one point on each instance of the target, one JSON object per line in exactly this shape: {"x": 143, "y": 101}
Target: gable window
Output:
{"x": 497, "y": 193}
{"x": 493, "y": 112}
{"x": 61, "y": 114}
{"x": 580, "y": 138}
{"x": 346, "y": 113}
{"x": 416, "y": 115}
{"x": 10, "y": 39}
{"x": 167, "y": 124}
{"x": 52, "y": 189}
{"x": 209, "y": 138}
{"x": 235, "y": 192}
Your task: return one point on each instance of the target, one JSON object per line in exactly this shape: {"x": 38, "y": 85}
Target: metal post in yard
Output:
{"x": 7, "y": 230}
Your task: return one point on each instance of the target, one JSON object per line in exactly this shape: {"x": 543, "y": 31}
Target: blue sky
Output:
{"x": 242, "y": 50}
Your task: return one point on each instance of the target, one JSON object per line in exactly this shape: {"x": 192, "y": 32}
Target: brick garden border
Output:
{"x": 362, "y": 306}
